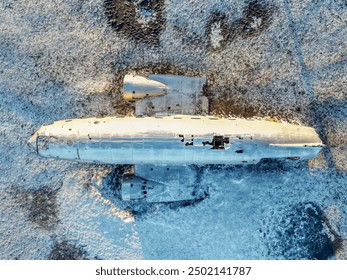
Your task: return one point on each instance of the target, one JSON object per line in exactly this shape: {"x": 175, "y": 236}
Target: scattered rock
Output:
{"x": 257, "y": 17}
{"x": 43, "y": 208}
{"x": 41, "y": 205}
{"x": 300, "y": 234}
{"x": 140, "y": 20}
{"x": 67, "y": 251}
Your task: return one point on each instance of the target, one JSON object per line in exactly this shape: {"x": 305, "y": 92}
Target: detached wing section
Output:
{"x": 163, "y": 183}
{"x": 166, "y": 94}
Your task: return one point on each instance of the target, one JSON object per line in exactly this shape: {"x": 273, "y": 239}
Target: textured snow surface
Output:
{"x": 66, "y": 59}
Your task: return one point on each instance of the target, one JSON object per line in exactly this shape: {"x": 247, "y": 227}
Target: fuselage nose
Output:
{"x": 32, "y": 140}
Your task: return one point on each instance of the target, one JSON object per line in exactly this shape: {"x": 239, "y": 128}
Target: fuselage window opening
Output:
{"x": 218, "y": 142}
{"x": 189, "y": 141}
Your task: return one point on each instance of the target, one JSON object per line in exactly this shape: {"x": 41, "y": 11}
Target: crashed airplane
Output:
{"x": 162, "y": 141}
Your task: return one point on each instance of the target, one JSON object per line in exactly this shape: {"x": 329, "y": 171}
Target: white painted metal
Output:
{"x": 163, "y": 148}
{"x": 136, "y": 87}
{"x": 179, "y": 139}
{"x": 161, "y": 183}
{"x": 165, "y": 94}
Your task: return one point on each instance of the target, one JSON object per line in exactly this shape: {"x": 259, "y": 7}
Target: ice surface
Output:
{"x": 65, "y": 59}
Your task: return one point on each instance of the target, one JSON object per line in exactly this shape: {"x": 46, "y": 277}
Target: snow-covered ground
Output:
{"x": 67, "y": 59}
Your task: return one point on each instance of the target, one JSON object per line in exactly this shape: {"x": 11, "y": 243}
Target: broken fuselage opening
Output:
{"x": 217, "y": 142}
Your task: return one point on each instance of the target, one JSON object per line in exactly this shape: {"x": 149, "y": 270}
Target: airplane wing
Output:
{"x": 163, "y": 183}
{"x": 166, "y": 94}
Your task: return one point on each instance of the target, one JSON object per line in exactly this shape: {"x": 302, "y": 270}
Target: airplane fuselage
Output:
{"x": 179, "y": 139}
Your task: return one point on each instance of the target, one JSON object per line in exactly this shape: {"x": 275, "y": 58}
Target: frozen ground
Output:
{"x": 66, "y": 59}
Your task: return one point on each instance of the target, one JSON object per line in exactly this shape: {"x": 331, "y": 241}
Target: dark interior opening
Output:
{"x": 217, "y": 142}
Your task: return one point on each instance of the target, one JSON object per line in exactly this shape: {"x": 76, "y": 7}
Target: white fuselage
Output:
{"x": 179, "y": 139}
